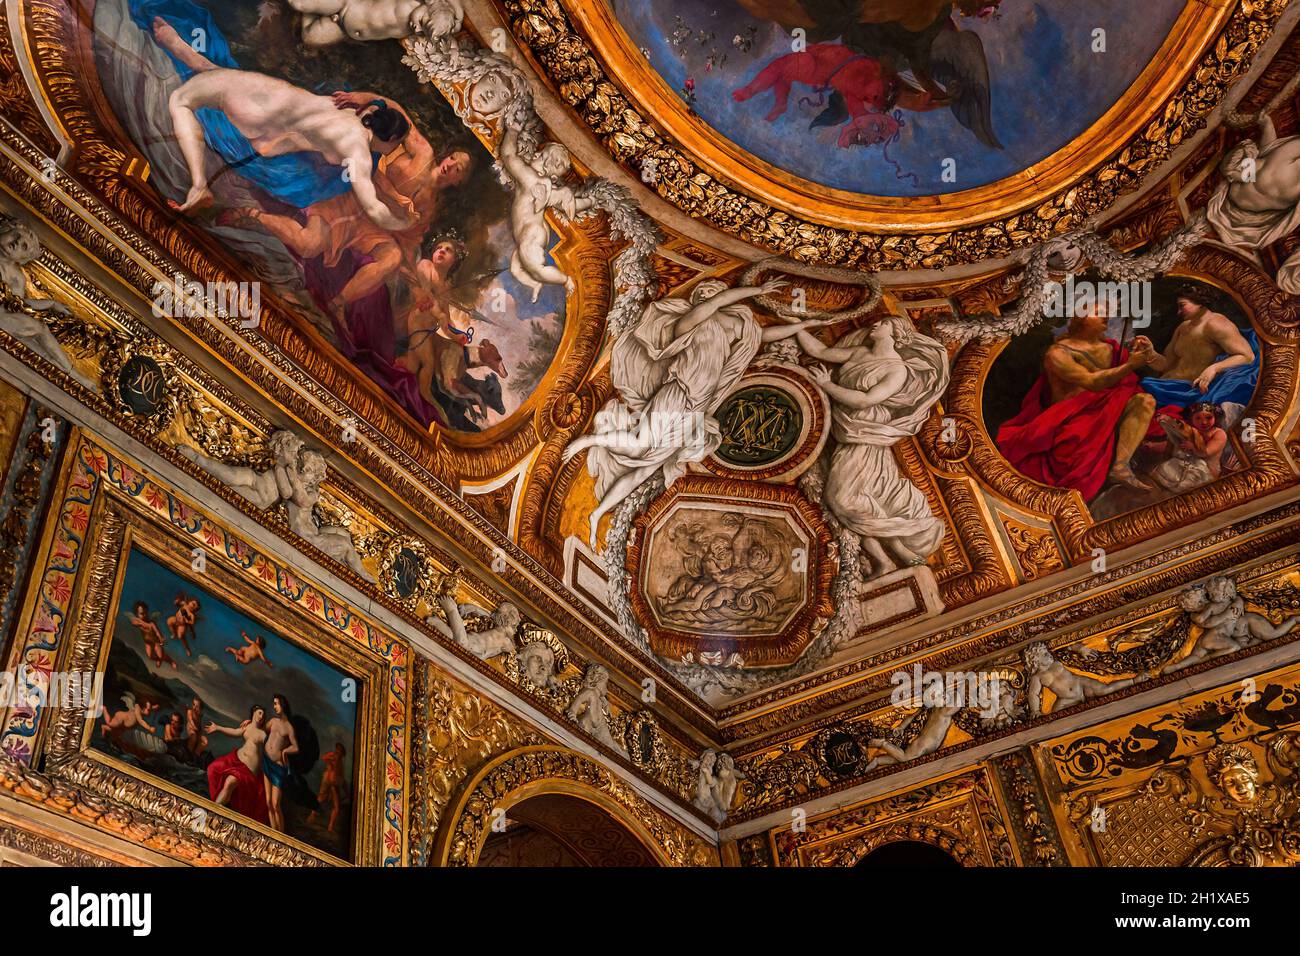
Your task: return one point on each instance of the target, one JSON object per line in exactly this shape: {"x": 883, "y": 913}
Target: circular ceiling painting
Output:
{"x": 886, "y": 116}
{"x": 899, "y": 97}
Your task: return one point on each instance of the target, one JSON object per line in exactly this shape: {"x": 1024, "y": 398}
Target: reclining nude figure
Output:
{"x": 277, "y": 118}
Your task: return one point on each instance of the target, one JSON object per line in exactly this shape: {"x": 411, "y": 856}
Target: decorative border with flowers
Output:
{"x": 90, "y": 471}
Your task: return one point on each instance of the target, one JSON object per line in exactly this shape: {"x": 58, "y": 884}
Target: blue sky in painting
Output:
{"x": 313, "y": 687}
{"x": 1047, "y": 88}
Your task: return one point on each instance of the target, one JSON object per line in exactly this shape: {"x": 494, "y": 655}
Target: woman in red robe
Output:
{"x": 235, "y": 780}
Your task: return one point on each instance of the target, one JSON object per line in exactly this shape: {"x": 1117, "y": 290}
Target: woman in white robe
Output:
{"x": 889, "y": 378}
{"x": 672, "y": 371}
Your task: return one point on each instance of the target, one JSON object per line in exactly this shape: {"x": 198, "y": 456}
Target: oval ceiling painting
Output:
{"x": 899, "y": 98}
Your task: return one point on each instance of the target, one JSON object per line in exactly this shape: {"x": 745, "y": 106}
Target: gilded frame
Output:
{"x": 775, "y": 650}
{"x": 961, "y": 813}
{"x": 105, "y": 506}
{"x": 104, "y": 160}
{"x": 974, "y": 454}
{"x": 586, "y": 81}
{"x": 1197, "y": 23}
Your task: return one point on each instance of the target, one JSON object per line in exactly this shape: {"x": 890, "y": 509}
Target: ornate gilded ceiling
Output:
{"x": 756, "y": 405}
{"x": 1126, "y": 88}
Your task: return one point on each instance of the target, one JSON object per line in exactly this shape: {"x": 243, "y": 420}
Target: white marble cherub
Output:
{"x": 300, "y": 504}
{"x": 934, "y": 730}
{"x": 1228, "y": 609}
{"x": 327, "y": 22}
{"x": 20, "y": 247}
{"x": 496, "y": 641}
{"x": 538, "y": 187}
{"x": 589, "y": 708}
{"x": 263, "y": 488}
{"x": 1226, "y": 625}
{"x": 716, "y": 783}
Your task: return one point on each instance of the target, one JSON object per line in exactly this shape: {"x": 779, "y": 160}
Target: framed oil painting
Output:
{"x": 237, "y": 698}
{"x": 201, "y": 694}
{"x": 414, "y": 278}
{"x": 1160, "y": 426}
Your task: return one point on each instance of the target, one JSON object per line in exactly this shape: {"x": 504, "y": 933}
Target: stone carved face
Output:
{"x": 1038, "y": 657}
{"x": 489, "y": 94}
{"x": 1220, "y": 589}
{"x": 18, "y": 243}
{"x": 538, "y": 663}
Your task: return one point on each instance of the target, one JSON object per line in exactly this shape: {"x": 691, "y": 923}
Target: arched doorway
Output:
{"x": 903, "y": 853}
{"x": 489, "y": 799}
{"x": 556, "y": 829}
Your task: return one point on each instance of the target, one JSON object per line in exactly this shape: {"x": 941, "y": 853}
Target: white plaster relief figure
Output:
{"x": 496, "y": 641}
{"x": 589, "y": 708}
{"x": 538, "y": 187}
{"x": 1047, "y": 673}
{"x": 672, "y": 371}
{"x": 20, "y": 247}
{"x": 326, "y": 22}
{"x": 1226, "y": 624}
{"x": 300, "y": 504}
{"x": 263, "y": 488}
{"x": 1259, "y": 202}
{"x": 716, "y": 783}
{"x": 889, "y": 378}
{"x": 294, "y": 477}
{"x": 934, "y": 730}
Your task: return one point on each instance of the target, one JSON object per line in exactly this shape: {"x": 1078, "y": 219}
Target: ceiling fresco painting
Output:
{"x": 681, "y": 373}
{"x": 414, "y": 272}
{"x": 877, "y": 90}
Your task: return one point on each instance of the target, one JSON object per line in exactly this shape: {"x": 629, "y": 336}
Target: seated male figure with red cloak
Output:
{"x": 1084, "y": 418}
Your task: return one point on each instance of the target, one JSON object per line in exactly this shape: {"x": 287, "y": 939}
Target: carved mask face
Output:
{"x": 539, "y": 664}
{"x": 1239, "y": 784}
{"x": 489, "y": 95}
{"x": 19, "y": 244}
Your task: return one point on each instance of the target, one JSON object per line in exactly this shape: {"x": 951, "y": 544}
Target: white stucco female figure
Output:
{"x": 673, "y": 369}
{"x": 889, "y": 378}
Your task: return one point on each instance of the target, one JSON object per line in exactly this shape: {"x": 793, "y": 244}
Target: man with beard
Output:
{"x": 1084, "y": 418}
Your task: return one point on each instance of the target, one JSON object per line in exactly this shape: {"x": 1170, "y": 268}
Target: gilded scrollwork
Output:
{"x": 456, "y": 731}
{"x": 117, "y": 816}
{"x": 1040, "y": 844}
{"x": 547, "y": 30}
{"x": 537, "y": 769}
{"x": 1234, "y": 804}
{"x": 960, "y": 815}
{"x": 1035, "y": 549}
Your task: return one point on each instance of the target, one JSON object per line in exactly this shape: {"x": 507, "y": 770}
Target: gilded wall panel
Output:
{"x": 1210, "y": 780}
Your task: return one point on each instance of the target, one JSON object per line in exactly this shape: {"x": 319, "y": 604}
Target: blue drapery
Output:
{"x": 299, "y": 179}
{"x": 1234, "y": 385}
